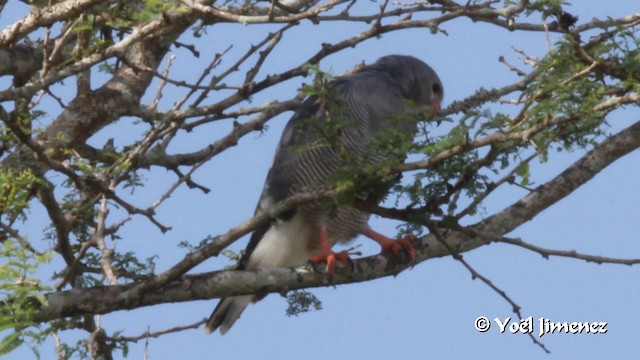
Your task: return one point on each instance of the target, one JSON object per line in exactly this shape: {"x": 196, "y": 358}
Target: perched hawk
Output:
{"x": 336, "y": 126}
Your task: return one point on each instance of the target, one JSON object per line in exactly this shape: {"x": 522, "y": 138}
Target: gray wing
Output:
{"x": 279, "y": 182}
{"x": 305, "y": 160}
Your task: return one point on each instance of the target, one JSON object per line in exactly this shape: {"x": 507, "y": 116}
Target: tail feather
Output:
{"x": 226, "y": 313}
{"x": 283, "y": 245}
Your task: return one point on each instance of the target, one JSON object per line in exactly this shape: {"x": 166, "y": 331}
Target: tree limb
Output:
{"x": 229, "y": 283}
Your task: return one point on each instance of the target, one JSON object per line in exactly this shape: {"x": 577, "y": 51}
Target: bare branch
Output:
{"x": 62, "y": 10}
{"x": 148, "y": 334}
{"x": 213, "y": 14}
{"x": 165, "y": 75}
{"x": 160, "y": 158}
{"x": 98, "y": 239}
{"x": 546, "y": 253}
{"x": 476, "y": 275}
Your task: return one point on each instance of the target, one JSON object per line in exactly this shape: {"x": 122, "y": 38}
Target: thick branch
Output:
{"x": 21, "y": 61}
{"x": 229, "y": 283}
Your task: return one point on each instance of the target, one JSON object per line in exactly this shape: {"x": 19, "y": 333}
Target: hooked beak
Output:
{"x": 435, "y": 108}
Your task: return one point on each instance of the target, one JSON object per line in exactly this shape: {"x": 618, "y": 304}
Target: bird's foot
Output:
{"x": 326, "y": 255}
{"x": 331, "y": 258}
{"x": 404, "y": 243}
{"x": 394, "y": 246}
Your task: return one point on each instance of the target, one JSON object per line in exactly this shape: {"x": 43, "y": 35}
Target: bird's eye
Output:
{"x": 437, "y": 89}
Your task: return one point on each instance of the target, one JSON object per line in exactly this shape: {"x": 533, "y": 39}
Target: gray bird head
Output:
{"x": 419, "y": 82}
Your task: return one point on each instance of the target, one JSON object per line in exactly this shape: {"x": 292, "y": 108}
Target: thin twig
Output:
{"x": 546, "y": 253}
{"x": 148, "y": 334}
{"x": 476, "y": 275}
{"x": 98, "y": 238}
{"x": 21, "y": 240}
{"x": 491, "y": 187}
{"x": 217, "y": 60}
{"x": 511, "y": 67}
{"x": 165, "y": 74}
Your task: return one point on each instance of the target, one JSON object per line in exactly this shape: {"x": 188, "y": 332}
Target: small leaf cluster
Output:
{"x": 15, "y": 191}
{"x": 301, "y": 301}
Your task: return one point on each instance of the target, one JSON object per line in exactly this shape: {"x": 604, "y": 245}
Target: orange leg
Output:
{"x": 395, "y": 246}
{"x": 327, "y": 255}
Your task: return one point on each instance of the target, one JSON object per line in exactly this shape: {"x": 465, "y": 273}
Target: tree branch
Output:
{"x": 37, "y": 19}
{"x": 230, "y": 283}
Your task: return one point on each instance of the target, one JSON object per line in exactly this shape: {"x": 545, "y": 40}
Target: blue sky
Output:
{"x": 426, "y": 312}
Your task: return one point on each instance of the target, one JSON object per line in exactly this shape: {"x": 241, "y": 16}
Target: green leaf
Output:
{"x": 523, "y": 172}
{"x": 10, "y": 343}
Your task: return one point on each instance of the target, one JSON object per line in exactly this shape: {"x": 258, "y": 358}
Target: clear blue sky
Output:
{"x": 429, "y": 311}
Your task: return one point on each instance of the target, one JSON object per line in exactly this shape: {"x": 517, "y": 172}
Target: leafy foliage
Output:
{"x": 21, "y": 292}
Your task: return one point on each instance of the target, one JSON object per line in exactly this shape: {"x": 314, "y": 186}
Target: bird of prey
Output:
{"x": 341, "y": 122}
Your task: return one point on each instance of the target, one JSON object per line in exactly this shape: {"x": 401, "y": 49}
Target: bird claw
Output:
{"x": 331, "y": 258}
{"x": 394, "y": 246}
{"x": 404, "y": 243}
